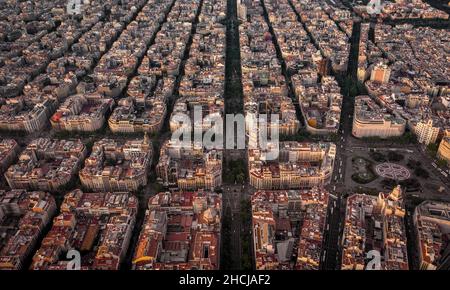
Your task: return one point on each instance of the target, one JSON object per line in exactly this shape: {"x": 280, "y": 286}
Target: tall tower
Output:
{"x": 426, "y": 133}
{"x": 146, "y": 144}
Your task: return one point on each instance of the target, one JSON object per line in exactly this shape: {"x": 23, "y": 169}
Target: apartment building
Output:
{"x": 432, "y": 226}
{"x": 181, "y": 231}
{"x": 117, "y": 166}
{"x": 29, "y": 213}
{"x": 374, "y": 229}
{"x": 46, "y": 165}
{"x": 287, "y": 225}
{"x": 370, "y": 120}
{"x": 189, "y": 167}
{"x": 298, "y": 165}
{"x": 98, "y": 225}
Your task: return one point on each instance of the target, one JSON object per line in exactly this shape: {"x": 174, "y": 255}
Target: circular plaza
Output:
{"x": 392, "y": 171}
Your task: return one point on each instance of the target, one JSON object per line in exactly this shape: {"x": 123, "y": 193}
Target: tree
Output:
{"x": 158, "y": 187}
{"x": 442, "y": 163}
{"x": 395, "y": 157}
{"x": 378, "y": 157}
{"x": 388, "y": 183}
{"x": 413, "y": 164}
{"x": 411, "y": 184}
{"x": 226, "y": 263}
{"x": 432, "y": 149}
{"x": 420, "y": 172}
{"x": 240, "y": 177}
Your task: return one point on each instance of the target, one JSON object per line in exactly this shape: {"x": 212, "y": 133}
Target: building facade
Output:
{"x": 189, "y": 168}
{"x": 369, "y": 120}
{"x": 298, "y": 165}
{"x": 374, "y": 227}
{"x": 444, "y": 148}
{"x": 46, "y": 165}
{"x": 115, "y": 166}
{"x": 426, "y": 133}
